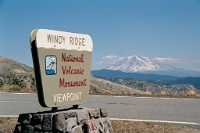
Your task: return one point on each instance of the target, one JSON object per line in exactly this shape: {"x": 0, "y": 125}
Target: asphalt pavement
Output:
{"x": 181, "y": 110}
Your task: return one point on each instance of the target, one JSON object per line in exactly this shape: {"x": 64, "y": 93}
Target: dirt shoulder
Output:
{"x": 150, "y": 127}
{"x": 7, "y": 125}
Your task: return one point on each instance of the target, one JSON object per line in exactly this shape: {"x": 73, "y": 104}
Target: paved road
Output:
{"x": 162, "y": 109}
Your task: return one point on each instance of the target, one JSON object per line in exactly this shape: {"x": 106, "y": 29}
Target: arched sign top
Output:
{"x": 62, "y": 64}
{"x": 63, "y": 40}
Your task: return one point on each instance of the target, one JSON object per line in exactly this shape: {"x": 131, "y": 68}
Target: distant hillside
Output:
{"x": 136, "y": 76}
{"x": 8, "y": 66}
{"x": 195, "y": 81}
{"x": 101, "y": 86}
{"x": 15, "y": 76}
{"x": 156, "y": 89}
{"x": 152, "y": 78}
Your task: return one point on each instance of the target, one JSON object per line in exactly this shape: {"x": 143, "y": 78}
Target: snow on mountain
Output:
{"x": 169, "y": 60}
{"x": 140, "y": 64}
{"x": 134, "y": 64}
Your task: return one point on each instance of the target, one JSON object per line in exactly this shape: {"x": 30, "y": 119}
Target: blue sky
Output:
{"x": 151, "y": 28}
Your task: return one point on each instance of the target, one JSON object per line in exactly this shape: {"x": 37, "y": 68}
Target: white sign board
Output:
{"x": 62, "y": 64}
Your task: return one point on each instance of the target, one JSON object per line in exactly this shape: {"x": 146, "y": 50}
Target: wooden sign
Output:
{"x": 62, "y": 64}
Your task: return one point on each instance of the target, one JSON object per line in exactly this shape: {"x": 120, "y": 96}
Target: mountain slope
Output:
{"x": 151, "y": 78}
{"x": 16, "y": 75}
{"x": 158, "y": 89}
{"x": 8, "y": 66}
{"x": 102, "y": 86}
{"x": 137, "y": 76}
{"x": 139, "y": 64}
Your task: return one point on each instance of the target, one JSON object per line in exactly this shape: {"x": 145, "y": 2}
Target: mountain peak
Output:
{"x": 135, "y": 64}
{"x": 141, "y": 64}
{"x": 130, "y": 57}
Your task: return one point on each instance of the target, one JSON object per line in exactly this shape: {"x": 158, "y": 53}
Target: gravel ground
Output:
{"x": 149, "y": 127}
{"x": 7, "y": 125}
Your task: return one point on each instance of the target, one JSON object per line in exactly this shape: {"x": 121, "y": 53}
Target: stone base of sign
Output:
{"x": 84, "y": 120}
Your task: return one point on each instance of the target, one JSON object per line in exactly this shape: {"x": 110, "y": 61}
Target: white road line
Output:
{"x": 96, "y": 95}
{"x": 158, "y": 121}
{"x": 163, "y": 98}
{"x": 17, "y": 93}
{"x": 134, "y": 120}
{"x": 8, "y": 101}
{"x": 134, "y": 97}
{"x": 121, "y": 96}
{"x": 7, "y": 116}
{"x": 145, "y": 97}
{"x": 21, "y": 93}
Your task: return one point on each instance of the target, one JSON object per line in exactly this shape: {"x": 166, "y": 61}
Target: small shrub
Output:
{"x": 14, "y": 89}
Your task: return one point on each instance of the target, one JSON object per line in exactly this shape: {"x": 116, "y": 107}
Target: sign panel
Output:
{"x": 62, "y": 64}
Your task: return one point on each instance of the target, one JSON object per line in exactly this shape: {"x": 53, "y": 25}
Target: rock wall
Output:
{"x": 83, "y": 120}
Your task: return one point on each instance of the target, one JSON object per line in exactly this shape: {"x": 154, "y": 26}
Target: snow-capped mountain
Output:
{"x": 135, "y": 64}
{"x": 140, "y": 64}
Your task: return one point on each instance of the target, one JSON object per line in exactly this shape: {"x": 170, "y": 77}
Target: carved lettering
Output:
{"x": 77, "y": 41}
{"x": 56, "y": 39}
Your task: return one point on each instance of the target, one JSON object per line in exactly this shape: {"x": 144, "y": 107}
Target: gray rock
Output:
{"x": 77, "y": 129}
{"x": 82, "y": 116}
{"x": 17, "y": 128}
{"x": 25, "y": 119}
{"x": 107, "y": 127}
{"x": 36, "y": 119}
{"x": 96, "y": 113}
{"x": 103, "y": 112}
{"x": 91, "y": 113}
{"x": 59, "y": 123}
{"x": 38, "y": 128}
{"x": 27, "y": 129}
{"x": 71, "y": 123}
{"x": 47, "y": 122}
